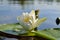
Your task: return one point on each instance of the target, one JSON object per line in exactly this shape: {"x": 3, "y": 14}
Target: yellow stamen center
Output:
{"x": 26, "y": 19}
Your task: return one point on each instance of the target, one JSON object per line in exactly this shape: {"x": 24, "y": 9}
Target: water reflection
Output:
{"x": 10, "y": 9}
{"x": 49, "y": 0}
{"x": 23, "y": 3}
{"x": 1, "y": 1}
{"x": 13, "y": 8}
{"x": 32, "y": 2}
{"x": 58, "y": 0}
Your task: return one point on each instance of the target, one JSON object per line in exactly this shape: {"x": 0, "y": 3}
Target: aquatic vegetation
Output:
{"x": 26, "y": 27}
{"x": 29, "y": 21}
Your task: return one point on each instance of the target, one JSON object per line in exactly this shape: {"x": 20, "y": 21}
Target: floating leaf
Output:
{"x": 49, "y": 34}
{"x": 9, "y": 26}
{"x": 44, "y": 35}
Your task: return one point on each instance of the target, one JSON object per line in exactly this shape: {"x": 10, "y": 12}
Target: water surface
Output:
{"x": 10, "y": 9}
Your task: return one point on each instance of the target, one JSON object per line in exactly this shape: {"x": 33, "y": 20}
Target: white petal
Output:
{"x": 30, "y": 21}
{"x": 24, "y": 14}
{"x": 36, "y": 20}
{"x": 32, "y": 14}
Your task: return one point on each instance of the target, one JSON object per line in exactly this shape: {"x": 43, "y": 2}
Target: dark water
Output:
{"x": 10, "y": 9}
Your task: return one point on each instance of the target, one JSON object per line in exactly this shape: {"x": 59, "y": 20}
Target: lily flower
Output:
{"x": 29, "y": 21}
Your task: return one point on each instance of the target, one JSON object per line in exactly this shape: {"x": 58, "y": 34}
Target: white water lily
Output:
{"x": 28, "y": 21}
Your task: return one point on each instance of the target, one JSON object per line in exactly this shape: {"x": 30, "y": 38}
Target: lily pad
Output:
{"x": 4, "y": 27}
{"x": 49, "y": 34}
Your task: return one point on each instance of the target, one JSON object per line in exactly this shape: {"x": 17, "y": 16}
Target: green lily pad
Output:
{"x": 44, "y": 35}
{"x": 49, "y": 34}
{"x": 9, "y": 26}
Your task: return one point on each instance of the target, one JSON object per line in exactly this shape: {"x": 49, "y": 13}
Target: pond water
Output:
{"x": 10, "y": 9}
